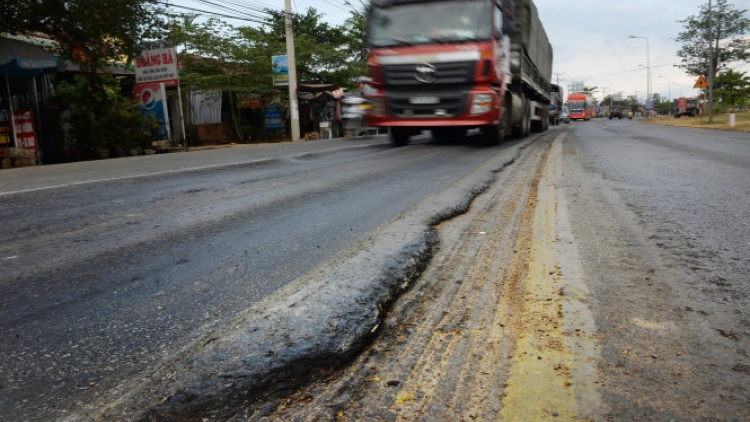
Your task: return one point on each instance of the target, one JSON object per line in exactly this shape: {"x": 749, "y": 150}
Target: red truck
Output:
{"x": 581, "y": 106}
{"x": 449, "y": 66}
{"x": 684, "y": 107}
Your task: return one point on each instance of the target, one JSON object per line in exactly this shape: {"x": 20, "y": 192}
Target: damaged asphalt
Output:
{"x": 321, "y": 320}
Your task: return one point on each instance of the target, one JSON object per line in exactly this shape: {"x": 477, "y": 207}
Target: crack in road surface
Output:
{"x": 489, "y": 331}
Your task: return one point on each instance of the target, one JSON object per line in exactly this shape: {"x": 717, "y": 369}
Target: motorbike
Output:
{"x": 354, "y": 115}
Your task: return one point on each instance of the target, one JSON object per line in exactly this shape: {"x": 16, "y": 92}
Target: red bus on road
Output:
{"x": 580, "y": 106}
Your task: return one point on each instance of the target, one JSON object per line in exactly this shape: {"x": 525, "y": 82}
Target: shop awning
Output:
{"x": 20, "y": 59}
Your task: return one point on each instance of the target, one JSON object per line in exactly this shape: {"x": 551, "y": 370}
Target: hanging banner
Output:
{"x": 250, "y": 101}
{"x": 157, "y": 65}
{"x": 280, "y": 70}
{"x": 24, "y": 127}
{"x": 153, "y": 101}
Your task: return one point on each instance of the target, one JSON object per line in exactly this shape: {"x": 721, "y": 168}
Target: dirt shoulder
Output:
{"x": 721, "y": 122}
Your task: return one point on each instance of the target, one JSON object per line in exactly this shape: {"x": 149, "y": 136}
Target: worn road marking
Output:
{"x": 554, "y": 367}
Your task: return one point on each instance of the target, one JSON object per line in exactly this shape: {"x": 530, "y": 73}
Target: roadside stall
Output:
{"x": 23, "y": 66}
{"x": 320, "y": 110}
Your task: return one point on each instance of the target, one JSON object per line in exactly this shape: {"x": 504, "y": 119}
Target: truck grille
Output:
{"x": 455, "y": 73}
{"x": 451, "y": 86}
{"x": 450, "y": 103}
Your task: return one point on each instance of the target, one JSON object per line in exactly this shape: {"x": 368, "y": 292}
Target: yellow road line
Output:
{"x": 542, "y": 385}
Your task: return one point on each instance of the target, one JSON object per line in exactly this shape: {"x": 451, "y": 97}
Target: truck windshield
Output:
{"x": 434, "y": 22}
{"x": 576, "y": 105}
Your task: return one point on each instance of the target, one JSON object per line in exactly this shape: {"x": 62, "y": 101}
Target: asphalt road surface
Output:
{"x": 604, "y": 276}
{"x": 598, "y": 271}
{"x": 112, "y": 267}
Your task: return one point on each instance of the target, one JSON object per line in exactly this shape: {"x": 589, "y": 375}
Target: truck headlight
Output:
{"x": 481, "y": 103}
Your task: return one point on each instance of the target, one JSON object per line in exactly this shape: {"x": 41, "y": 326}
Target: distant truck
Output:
{"x": 581, "y": 106}
{"x": 555, "y": 105}
{"x": 449, "y": 66}
{"x": 615, "y": 112}
{"x": 684, "y": 107}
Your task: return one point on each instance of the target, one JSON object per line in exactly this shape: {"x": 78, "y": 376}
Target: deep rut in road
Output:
{"x": 448, "y": 345}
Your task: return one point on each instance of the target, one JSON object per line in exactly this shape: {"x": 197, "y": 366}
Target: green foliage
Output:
{"x": 732, "y": 89}
{"x": 99, "y": 117}
{"x": 727, "y": 27}
{"x": 102, "y": 30}
{"x": 590, "y": 90}
{"x": 237, "y": 60}
{"x": 324, "y": 54}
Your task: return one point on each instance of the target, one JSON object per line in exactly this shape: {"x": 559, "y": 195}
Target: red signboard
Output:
{"x": 23, "y": 123}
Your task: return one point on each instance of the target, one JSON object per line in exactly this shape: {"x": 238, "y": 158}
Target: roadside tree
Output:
{"x": 722, "y": 30}
{"x": 732, "y": 89}
{"x": 93, "y": 31}
{"x": 320, "y": 49}
{"x": 237, "y": 60}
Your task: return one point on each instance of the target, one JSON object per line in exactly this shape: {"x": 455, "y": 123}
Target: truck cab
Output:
{"x": 615, "y": 112}
{"x": 445, "y": 66}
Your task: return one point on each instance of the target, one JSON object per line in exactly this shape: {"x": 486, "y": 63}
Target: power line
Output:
{"x": 212, "y": 13}
{"x": 623, "y": 72}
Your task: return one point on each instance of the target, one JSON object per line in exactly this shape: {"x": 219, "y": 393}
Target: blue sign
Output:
{"x": 273, "y": 119}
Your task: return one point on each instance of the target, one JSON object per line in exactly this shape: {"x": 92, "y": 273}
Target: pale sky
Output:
{"x": 590, "y": 39}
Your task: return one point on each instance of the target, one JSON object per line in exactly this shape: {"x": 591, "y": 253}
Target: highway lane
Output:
{"x": 662, "y": 222}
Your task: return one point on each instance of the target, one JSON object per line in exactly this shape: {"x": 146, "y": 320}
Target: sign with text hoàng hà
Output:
{"x": 157, "y": 65}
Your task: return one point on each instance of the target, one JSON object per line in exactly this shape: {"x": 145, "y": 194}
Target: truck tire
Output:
{"x": 521, "y": 129}
{"x": 526, "y": 125}
{"x": 400, "y": 136}
{"x": 538, "y": 126}
{"x": 494, "y": 134}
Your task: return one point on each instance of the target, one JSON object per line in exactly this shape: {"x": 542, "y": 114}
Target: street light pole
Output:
{"x": 669, "y": 87}
{"x": 648, "y": 67}
{"x": 292, "y": 63}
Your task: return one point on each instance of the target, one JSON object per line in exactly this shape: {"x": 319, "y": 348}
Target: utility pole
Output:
{"x": 710, "y": 66}
{"x": 292, "y": 63}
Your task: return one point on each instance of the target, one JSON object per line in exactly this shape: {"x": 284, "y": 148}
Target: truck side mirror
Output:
{"x": 508, "y": 22}
{"x": 503, "y": 20}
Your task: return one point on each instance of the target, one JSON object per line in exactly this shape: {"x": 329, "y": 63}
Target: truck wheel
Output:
{"x": 526, "y": 117}
{"x": 494, "y": 134}
{"x": 521, "y": 129}
{"x": 399, "y": 136}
